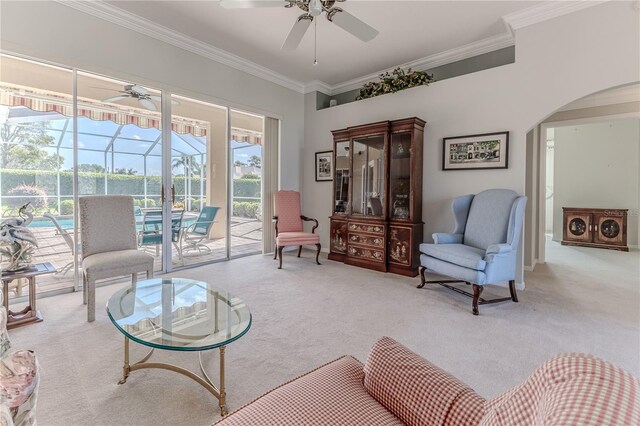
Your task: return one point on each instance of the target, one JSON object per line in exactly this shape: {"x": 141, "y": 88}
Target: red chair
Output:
{"x": 288, "y": 222}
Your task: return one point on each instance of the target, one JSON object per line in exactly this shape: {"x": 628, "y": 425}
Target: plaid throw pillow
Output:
{"x": 416, "y": 391}
{"x": 570, "y": 389}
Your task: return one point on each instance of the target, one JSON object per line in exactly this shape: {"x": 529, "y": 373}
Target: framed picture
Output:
{"x": 485, "y": 151}
{"x": 324, "y": 166}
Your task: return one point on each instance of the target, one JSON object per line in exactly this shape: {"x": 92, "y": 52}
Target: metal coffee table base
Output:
{"x": 204, "y": 381}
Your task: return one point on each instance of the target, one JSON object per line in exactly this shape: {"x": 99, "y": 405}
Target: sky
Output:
{"x": 132, "y": 142}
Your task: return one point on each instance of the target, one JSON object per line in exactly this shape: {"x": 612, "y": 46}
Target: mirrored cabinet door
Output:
{"x": 341, "y": 180}
{"x": 368, "y": 191}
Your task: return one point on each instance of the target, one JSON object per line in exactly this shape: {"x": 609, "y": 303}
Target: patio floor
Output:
{"x": 246, "y": 238}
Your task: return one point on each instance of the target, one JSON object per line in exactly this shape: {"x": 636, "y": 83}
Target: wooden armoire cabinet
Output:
{"x": 601, "y": 228}
{"x": 377, "y": 196}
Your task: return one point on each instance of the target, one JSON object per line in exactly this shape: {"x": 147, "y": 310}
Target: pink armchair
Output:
{"x": 288, "y": 223}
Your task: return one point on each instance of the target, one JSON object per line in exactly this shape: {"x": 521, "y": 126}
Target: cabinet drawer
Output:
{"x": 366, "y": 253}
{"x": 366, "y": 227}
{"x": 366, "y": 240}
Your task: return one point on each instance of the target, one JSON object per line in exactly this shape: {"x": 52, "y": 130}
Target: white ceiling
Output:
{"x": 409, "y": 30}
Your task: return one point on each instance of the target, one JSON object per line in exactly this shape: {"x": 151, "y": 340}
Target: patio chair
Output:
{"x": 109, "y": 244}
{"x": 288, "y": 224}
{"x": 193, "y": 236}
{"x": 68, "y": 239}
{"x": 151, "y": 232}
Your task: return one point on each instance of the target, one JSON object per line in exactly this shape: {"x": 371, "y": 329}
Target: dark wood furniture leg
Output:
{"x": 512, "y": 290}
{"x": 299, "y": 251}
{"x": 317, "y": 252}
{"x": 280, "y": 256}
{"x": 275, "y": 253}
{"x": 422, "y": 279}
{"x": 477, "y": 291}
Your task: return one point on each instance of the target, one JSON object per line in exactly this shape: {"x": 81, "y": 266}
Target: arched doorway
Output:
{"x": 594, "y": 165}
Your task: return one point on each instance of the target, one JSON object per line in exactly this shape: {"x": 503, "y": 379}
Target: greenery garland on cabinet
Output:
{"x": 393, "y": 82}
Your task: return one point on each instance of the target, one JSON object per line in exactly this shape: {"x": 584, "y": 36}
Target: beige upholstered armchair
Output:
{"x": 19, "y": 379}
{"x": 109, "y": 244}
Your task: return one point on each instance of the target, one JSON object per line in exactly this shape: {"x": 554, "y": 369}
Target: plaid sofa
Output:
{"x": 396, "y": 386}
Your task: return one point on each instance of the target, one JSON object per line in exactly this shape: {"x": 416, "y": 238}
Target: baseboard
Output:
{"x": 532, "y": 267}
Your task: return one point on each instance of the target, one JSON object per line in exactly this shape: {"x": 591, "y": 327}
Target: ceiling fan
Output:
{"x": 312, "y": 9}
{"x": 140, "y": 93}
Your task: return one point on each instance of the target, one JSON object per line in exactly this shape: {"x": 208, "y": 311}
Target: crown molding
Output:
{"x": 318, "y": 86}
{"x": 545, "y": 11}
{"x": 151, "y": 29}
{"x": 470, "y": 50}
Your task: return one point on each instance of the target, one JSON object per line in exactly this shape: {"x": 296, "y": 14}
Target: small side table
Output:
{"x": 30, "y": 313}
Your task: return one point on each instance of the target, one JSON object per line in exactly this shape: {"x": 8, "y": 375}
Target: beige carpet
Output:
{"x": 304, "y": 315}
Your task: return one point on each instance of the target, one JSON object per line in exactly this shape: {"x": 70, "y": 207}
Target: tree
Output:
{"x": 23, "y": 147}
{"x": 239, "y": 163}
{"x": 255, "y": 161}
{"x": 90, "y": 168}
{"x": 187, "y": 162}
{"x": 124, "y": 171}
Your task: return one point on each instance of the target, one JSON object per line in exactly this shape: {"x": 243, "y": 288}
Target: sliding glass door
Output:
{"x": 246, "y": 194}
{"x": 199, "y": 181}
{"x": 119, "y": 150}
{"x": 194, "y": 169}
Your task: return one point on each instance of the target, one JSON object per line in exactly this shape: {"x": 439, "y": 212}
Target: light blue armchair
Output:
{"x": 483, "y": 246}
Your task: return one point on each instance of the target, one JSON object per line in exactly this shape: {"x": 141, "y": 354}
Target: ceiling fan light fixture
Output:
{"x": 315, "y": 8}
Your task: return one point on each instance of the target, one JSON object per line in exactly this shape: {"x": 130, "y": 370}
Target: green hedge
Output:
{"x": 246, "y": 187}
{"x": 246, "y": 208}
{"x": 89, "y": 183}
{"x": 93, "y": 183}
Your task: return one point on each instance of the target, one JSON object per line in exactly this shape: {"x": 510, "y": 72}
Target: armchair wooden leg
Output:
{"x": 422, "y": 279}
{"x": 299, "y": 251}
{"x": 280, "y": 256}
{"x": 477, "y": 291}
{"x": 512, "y": 290}
{"x": 317, "y": 252}
{"x": 150, "y": 273}
{"x": 275, "y": 253}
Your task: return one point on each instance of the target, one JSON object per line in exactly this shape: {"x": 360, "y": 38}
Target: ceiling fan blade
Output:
{"x": 148, "y": 104}
{"x": 159, "y": 99}
{"x": 115, "y": 99}
{"x": 352, "y": 25}
{"x": 248, "y": 4}
{"x": 297, "y": 32}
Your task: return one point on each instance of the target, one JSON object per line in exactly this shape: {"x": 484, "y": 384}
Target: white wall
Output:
{"x": 557, "y": 61}
{"x": 56, "y": 33}
{"x": 596, "y": 165}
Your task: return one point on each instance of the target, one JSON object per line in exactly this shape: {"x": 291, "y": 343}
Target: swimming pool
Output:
{"x": 42, "y": 222}
{"x": 67, "y": 222}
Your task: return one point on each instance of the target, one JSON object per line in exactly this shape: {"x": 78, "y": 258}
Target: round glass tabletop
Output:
{"x": 178, "y": 314}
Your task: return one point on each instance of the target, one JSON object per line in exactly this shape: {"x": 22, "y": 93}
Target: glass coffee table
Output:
{"x": 178, "y": 314}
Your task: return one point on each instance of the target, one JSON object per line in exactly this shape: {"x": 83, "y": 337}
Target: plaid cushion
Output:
{"x": 332, "y": 394}
{"x": 416, "y": 391}
{"x": 569, "y": 389}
